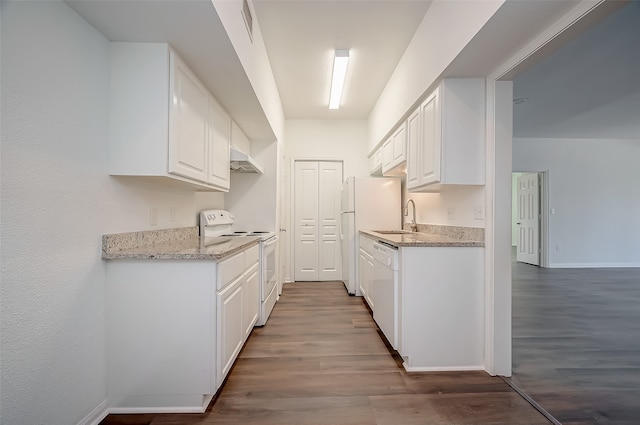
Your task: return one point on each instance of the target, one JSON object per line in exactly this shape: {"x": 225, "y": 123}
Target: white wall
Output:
{"x": 593, "y": 188}
{"x": 57, "y": 202}
{"x": 253, "y": 197}
{"x": 253, "y": 56}
{"x": 341, "y": 139}
{"x": 454, "y": 206}
{"x": 446, "y": 29}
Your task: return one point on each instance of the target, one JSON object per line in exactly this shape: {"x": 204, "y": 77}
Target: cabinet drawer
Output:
{"x": 251, "y": 256}
{"x": 230, "y": 268}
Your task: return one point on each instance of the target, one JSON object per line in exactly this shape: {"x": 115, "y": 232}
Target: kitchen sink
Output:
{"x": 393, "y": 232}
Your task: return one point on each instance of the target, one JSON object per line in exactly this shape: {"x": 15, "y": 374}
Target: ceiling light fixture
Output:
{"x": 340, "y": 62}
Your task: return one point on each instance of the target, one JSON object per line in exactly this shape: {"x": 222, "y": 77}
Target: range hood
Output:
{"x": 243, "y": 163}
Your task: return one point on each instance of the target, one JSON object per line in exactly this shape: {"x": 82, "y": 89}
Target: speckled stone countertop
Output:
{"x": 431, "y": 236}
{"x": 172, "y": 244}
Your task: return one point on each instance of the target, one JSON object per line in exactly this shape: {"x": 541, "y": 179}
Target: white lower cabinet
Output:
{"x": 367, "y": 270}
{"x": 362, "y": 275}
{"x": 238, "y": 301}
{"x": 251, "y": 299}
{"x": 230, "y": 326}
{"x": 441, "y": 308}
{"x": 174, "y": 329}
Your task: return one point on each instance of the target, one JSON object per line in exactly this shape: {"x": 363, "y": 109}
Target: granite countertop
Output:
{"x": 431, "y": 236}
{"x": 172, "y": 244}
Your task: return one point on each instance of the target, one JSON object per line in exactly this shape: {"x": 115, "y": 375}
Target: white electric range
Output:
{"x": 221, "y": 223}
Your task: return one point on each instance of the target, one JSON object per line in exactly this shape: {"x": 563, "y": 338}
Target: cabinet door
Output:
{"x": 430, "y": 158}
{"x": 413, "y": 149}
{"x": 250, "y": 299}
{"x": 387, "y": 155}
{"x": 399, "y": 146}
{"x": 188, "y": 116}
{"x": 394, "y": 152}
{"x": 230, "y": 326}
{"x": 219, "y": 135}
{"x": 371, "y": 276}
{"x": 362, "y": 273}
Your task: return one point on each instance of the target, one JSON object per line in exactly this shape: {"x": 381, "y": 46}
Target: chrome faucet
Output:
{"x": 414, "y": 225}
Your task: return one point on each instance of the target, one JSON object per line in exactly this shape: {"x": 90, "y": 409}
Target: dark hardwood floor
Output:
{"x": 321, "y": 361}
{"x": 576, "y": 342}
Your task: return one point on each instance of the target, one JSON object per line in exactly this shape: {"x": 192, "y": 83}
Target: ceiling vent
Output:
{"x": 248, "y": 19}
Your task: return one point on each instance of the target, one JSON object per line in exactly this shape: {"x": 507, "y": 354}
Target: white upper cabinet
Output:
{"x": 394, "y": 152}
{"x": 449, "y": 145}
{"x": 413, "y": 134}
{"x": 375, "y": 163}
{"x": 188, "y": 114}
{"x": 163, "y": 121}
{"x": 218, "y": 138}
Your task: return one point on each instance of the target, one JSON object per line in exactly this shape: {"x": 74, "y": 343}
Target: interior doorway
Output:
{"x": 529, "y": 217}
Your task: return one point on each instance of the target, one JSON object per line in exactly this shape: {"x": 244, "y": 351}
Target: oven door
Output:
{"x": 269, "y": 266}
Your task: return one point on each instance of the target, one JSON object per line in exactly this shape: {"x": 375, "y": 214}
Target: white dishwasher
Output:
{"x": 385, "y": 291}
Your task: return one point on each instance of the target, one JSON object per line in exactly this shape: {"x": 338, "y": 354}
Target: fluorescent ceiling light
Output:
{"x": 340, "y": 62}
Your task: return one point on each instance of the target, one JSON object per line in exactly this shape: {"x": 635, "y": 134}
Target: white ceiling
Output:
{"x": 588, "y": 88}
{"x": 590, "y": 80}
{"x": 300, "y": 37}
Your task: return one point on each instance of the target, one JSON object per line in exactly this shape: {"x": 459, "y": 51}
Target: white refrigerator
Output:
{"x": 367, "y": 204}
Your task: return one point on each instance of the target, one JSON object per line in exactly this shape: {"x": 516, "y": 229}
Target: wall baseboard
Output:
{"x": 96, "y": 415}
{"x": 592, "y": 265}
{"x": 443, "y": 369}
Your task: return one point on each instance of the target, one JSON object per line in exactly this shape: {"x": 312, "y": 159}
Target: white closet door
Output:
{"x": 330, "y": 184}
{"x": 306, "y": 221}
{"x": 317, "y": 192}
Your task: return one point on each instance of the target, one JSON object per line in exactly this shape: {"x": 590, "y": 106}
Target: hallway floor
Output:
{"x": 321, "y": 361}
{"x": 576, "y": 342}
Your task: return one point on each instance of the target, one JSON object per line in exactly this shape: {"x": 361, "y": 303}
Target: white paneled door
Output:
{"x": 528, "y": 219}
{"x": 329, "y": 193}
{"x": 306, "y": 220}
{"x": 317, "y": 254}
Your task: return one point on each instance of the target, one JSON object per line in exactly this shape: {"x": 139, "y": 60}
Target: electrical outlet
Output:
{"x": 478, "y": 212}
{"x": 451, "y": 213}
{"x": 172, "y": 214}
{"x": 153, "y": 216}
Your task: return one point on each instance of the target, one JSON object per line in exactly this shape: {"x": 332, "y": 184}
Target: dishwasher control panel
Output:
{"x": 386, "y": 255}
